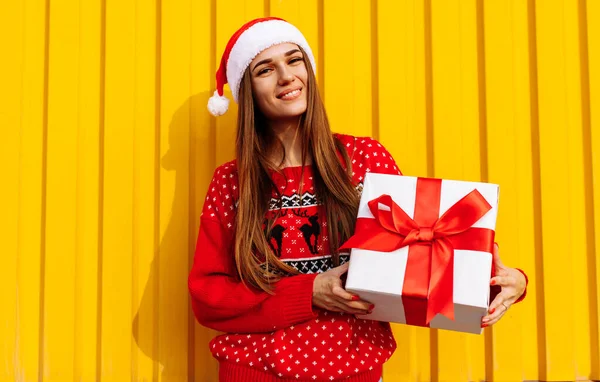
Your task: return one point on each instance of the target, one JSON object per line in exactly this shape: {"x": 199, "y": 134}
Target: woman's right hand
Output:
{"x": 329, "y": 294}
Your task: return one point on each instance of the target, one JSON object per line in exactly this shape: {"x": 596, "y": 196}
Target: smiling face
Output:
{"x": 279, "y": 82}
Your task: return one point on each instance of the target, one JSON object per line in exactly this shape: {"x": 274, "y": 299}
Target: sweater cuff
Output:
{"x": 526, "y": 283}
{"x": 297, "y": 304}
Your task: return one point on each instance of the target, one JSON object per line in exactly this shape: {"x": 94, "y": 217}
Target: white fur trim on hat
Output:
{"x": 254, "y": 40}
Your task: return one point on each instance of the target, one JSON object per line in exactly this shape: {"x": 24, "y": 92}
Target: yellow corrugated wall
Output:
{"x": 107, "y": 149}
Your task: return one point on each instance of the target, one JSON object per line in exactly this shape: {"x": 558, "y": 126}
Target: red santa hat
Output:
{"x": 245, "y": 44}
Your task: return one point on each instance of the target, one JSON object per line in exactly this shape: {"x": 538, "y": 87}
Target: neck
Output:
{"x": 287, "y": 132}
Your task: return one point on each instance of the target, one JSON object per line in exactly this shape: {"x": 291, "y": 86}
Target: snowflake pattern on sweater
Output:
{"x": 303, "y": 342}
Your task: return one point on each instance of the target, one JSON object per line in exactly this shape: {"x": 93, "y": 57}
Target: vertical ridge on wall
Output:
{"x": 474, "y": 118}
{"x": 154, "y": 283}
{"x": 538, "y": 274}
{"x": 202, "y": 151}
{"x": 562, "y": 208}
{"x": 61, "y": 225}
{"x": 428, "y": 64}
{"x": 32, "y": 99}
{"x": 100, "y": 202}
{"x": 482, "y": 87}
{"x": 174, "y": 189}
{"x": 11, "y": 76}
{"x": 146, "y": 62}
{"x": 499, "y": 84}
{"x": 321, "y": 46}
{"x": 487, "y": 361}
{"x": 576, "y": 179}
{"x": 44, "y": 197}
{"x": 591, "y": 11}
{"x": 117, "y": 355}
{"x": 86, "y": 269}
{"x": 588, "y": 188}
{"x": 374, "y": 41}
{"x": 554, "y": 159}
{"x": 525, "y": 245}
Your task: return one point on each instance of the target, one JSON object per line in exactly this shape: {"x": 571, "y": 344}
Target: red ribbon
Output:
{"x": 429, "y": 278}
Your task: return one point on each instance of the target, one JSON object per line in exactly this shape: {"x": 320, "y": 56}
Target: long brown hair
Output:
{"x": 256, "y": 263}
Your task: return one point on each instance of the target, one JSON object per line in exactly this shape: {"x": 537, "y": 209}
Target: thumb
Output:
{"x": 496, "y": 257}
{"x": 340, "y": 270}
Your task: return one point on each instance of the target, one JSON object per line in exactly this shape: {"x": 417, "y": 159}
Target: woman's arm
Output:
{"x": 508, "y": 286}
{"x": 221, "y": 301}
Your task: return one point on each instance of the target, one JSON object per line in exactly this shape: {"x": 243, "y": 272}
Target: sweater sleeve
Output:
{"x": 373, "y": 157}
{"x": 219, "y": 298}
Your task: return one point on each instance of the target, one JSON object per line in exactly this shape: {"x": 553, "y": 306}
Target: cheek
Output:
{"x": 262, "y": 90}
{"x": 260, "y": 87}
{"x": 302, "y": 75}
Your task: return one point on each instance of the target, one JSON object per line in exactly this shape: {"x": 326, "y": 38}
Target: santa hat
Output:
{"x": 245, "y": 44}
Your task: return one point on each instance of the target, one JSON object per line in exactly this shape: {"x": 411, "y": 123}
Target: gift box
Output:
{"x": 422, "y": 251}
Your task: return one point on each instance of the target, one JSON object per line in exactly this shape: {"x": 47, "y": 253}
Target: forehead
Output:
{"x": 275, "y": 52}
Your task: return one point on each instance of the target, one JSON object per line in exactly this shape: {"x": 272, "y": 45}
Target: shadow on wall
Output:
{"x": 164, "y": 327}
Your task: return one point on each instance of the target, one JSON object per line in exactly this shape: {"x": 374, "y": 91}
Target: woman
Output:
{"x": 266, "y": 269}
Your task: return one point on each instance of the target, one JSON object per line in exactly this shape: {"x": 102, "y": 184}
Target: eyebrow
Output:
{"x": 266, "y": 61}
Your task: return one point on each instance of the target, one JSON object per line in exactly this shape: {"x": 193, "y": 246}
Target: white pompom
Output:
{"x": 218, "y": 105}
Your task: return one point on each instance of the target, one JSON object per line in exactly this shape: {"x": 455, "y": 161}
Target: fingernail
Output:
{"x": 492, "y": 310}
{"x": 484, "y": 325}
{"x": 493, "y": 282}
{"x": 355, "y": 298}
{"x": 372, "y": 307}
{"x": 369, "y": 311}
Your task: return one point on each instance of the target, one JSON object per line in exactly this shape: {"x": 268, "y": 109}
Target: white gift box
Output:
{"x": 378, "y": 277}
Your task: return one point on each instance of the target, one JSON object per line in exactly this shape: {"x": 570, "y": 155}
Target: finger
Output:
{"x": 340, "y": 270}
{"x": 502, "y": 281}
{"x": 487, "y": 320}
{"x": 340, "y": 292}
{"x": 346, "y": 309}
{"x": 333, "y": 308}
{"x": 496, "y": 256}
{"x": 493, "y": 321}
{"x": 500, "y": 298}
{"x": 361, "y": 305}
{"x": 495, "y": 313}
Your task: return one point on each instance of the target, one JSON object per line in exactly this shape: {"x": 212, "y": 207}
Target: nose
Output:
{"x": 285, "y": 76}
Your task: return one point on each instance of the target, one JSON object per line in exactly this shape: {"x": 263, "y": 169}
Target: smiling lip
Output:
{"x": 288, "y": 97}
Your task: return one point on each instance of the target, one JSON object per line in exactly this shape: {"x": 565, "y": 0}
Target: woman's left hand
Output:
{"x": 513, "y": 285}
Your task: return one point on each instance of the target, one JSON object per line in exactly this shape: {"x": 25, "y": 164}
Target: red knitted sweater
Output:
{"x": 283, "y": 336}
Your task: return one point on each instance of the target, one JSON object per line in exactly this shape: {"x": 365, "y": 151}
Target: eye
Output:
{"x": 295, "y": 59}
{"x": 263, "y": 71}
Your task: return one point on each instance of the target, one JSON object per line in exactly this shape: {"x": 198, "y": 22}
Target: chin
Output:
{"x": 291, "y": 111}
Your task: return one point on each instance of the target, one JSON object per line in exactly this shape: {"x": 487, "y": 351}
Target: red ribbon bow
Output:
{"x": 429, "y": 277}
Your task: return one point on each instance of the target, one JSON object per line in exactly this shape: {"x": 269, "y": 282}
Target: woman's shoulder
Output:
{"x": 221, "y": 196}
{"x": 225, "y": 171}
{"x": 357, "y": 142}
{"x": 368, "y": 155}
{"x": 225, "y": 179}
{"x": 362, "y": 147}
